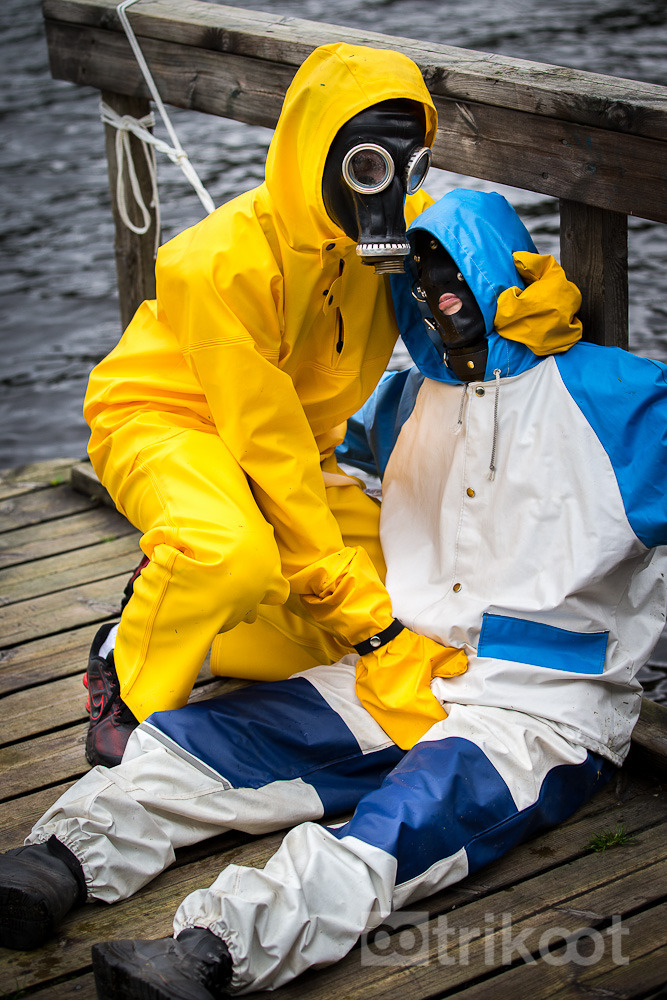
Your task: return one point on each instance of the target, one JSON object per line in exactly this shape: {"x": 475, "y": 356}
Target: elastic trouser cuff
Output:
{"x": 58, "y": 850}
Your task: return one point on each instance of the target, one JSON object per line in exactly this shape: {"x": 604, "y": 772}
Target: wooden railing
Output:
{"x": 597, "y": 143}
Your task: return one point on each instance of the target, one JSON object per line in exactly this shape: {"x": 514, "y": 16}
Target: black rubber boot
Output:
{"x": 194, "y": 966}
{"x": 39, "y": 885}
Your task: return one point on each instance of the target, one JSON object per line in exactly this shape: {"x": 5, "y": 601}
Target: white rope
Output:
{"x": 126, "y": 124}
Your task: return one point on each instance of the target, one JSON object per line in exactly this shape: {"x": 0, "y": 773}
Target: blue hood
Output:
{"x": 481, "y": 231}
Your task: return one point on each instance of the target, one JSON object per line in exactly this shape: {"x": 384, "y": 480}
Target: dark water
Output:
{"x": 59, "y": 308}
{"x": 57, "y": 278}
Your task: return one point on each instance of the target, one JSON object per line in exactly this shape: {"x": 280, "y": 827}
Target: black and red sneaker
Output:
{"x": 129, "y": 587}
{"x": 111, "y": 721}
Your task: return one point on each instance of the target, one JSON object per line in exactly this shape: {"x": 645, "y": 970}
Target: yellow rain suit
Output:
{"x": 215, "y": 419}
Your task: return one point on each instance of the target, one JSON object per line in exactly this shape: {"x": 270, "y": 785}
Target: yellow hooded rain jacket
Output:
{"x": 213, "y": 419}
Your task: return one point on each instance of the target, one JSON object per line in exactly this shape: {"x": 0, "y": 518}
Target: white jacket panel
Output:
{"x": 546, "y": 541}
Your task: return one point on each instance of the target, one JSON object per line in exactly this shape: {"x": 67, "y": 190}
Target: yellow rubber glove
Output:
{"x": 394, "y": 684}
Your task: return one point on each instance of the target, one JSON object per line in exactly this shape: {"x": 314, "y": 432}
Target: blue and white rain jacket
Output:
{"x": 550, "y": 572}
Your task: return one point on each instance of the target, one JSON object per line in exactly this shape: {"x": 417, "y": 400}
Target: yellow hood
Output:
{"x": 334, "y": 84}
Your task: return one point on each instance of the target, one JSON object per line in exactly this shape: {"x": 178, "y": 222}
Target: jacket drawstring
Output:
{"x": 459, "y": 422}
{"x": 492, "y": 464}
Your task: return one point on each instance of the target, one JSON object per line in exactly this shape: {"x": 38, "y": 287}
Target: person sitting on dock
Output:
{"x": 214, "y": 422}
{"x": 523, "y": 522}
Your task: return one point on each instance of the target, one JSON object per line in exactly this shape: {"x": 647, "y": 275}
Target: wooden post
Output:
{"x": 594, "y": 253}
{"x": 135, "y": 263}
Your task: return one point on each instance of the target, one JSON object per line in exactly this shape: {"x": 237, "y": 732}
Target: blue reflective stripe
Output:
{"x": 505, "y": 638}
{"x": 447, "y": 795}
{"x": 278, "y": 732}
{"x": 624, "y": 399}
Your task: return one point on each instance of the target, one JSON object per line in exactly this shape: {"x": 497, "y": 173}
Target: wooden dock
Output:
{"x": 512, "y": 929}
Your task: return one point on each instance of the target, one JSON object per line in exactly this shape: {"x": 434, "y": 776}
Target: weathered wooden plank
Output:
{"x": 28, "y": 713}
{"x": 552, "y": 915}
{"x": 19, "y": 816}
{"x": 557, "y": 979}
{"x": 135, "y": 252}
{"x": 81, "y": 987}
{"x": 37, "y": 475}
{"x": 44, "y": 660}
{"x": 55, "y": 705}
{"x": 460, "y": 74}
{"x": 594, "y": 253}
{"x": 571, "y": 900}
{"x": 63, "y": 610}
{"x": 565, "y": 160}
{"x": 41, "y": 505}
{"x": 231, "y": 86}
{"x": 54, "y": 757}
{"x": 99, "y": 524}
{"x": 82, "y": 477}
{"x": 46, "y": 760}
{"x": 537, "y": 856}
{"x": 149, "y": 914}
{"x": 552, "y": 979}
{"x": 92, "y": 562}
{"x": 649, "y": 737}
{"x": 556, "y": 158}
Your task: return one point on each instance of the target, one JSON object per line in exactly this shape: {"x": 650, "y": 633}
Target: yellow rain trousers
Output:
{"x": 215, "y": 419}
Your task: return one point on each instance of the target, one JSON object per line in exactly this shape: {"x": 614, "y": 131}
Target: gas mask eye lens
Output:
{"x": 417, "y": 169}
{"x": 368, "y": 168}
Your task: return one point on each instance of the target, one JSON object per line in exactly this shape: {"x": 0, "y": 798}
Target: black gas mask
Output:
{"x": 377, "y": 158}
{"x": 457, "y": 318}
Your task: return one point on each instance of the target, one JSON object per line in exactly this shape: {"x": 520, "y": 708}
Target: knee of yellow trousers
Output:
{"x": 225, "y": 573}
{"x": 178, "y": 605}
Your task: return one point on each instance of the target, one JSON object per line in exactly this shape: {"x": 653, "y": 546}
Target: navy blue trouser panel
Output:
{"x": 279, "y": 731}
{"x": 447, "y": 795}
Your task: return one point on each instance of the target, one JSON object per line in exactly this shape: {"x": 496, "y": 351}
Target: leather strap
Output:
{"x": 380, "y": 638}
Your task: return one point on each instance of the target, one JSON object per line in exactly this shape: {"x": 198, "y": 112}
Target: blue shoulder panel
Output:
{"x": 373, "y": 431}
{"x": 624, "y": 399}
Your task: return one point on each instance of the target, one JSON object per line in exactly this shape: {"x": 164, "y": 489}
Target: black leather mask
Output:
{"x": 376, "y": 158}
{"x": 456, "y": 314}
